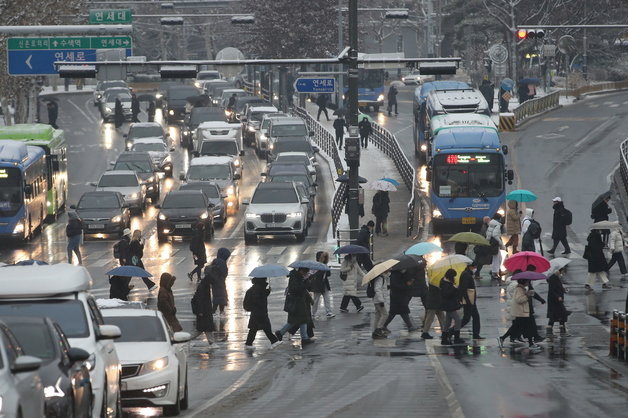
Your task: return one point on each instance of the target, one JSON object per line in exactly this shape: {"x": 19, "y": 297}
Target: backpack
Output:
{"x": 534, "y": 229}
{"x": 247, "y": 303}
{"x": 370, "y": 289}
{"x": 568, "y": 217}
{"x": 116, "y": 250}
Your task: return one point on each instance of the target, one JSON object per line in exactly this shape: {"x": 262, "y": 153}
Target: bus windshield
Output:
{"x": 10, "y": 191}
{"x": 468, "y": 175}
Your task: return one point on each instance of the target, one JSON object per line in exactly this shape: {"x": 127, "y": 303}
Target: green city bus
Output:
{"x": 53, "y": 142}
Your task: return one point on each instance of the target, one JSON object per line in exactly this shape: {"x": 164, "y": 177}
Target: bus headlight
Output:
{"x": 171, "y": 112}
{"x": 19, "y": 228}
{"x": 501, "y": 211}
{"x": 423, "y": 147}
{"x": 437, "y": 213}
{"x": 380, "y": 98}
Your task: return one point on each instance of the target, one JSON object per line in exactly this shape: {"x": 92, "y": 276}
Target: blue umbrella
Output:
{"x": 351, "y": 249}
{"x": 129, "y": 271}
{"x": 507, "y": 84}
{"x": 31, "y": 263}
{"x": 309, "y": 264}
{"x": 393, "y": 181}
{"x": 269, "y": 270}
{"x": 345, "y": 178}
{"x": 423, "y": 248}
{"x": 521, "y": 195}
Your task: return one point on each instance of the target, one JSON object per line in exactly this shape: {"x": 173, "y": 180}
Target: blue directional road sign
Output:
{"x": 315, "y": 85}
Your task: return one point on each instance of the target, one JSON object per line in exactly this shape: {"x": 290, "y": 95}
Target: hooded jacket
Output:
{"x": 258, "y": 296}
{"x": 494, "y": 230}
{"x": 527, "y": 241}
{"x": 525, "y": 223}
{"x": 165, "y": 302}
{"x": 559, "y": 225}
{"x": 354, "y": 273}
{"x": 513, "y": 218}
{"x": 616, "y": 239}
{"x": 217, "y": 273}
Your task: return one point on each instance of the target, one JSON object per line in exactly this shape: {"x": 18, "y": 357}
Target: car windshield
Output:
{"x": 109, "y": 84}
{"x": 468, "y": 175}
{"x": 211, "y": 192}
{"x": 257, "y": 116}
{"x": 183, "y": 201}
{"x": 118, "y": 180}
{"x": 290, "y": 177}
{"x": 153, "y": 146}
{"x": 288, "y": 130}
{"x": 292, "y": 146}
{"x": 139, "y": 166}
{"x": 219, "y": 148}
{"x": 137, "y": 329}
{"x": 98, "y": 201}
{"x": 289, "y": 159}
{"x": 69, "y": 314}
{"x": 209, "y": 172}
{"x": 124, "y": 97}
{"x": 196, "y": 118}
{"x": 208, "y": 76}
{"x": 10, "y": 191}
{"x": 180, "y": 93}
{"x": 35, "y": 339}
{"x": 270, "y": 195}
{"x": 243, "y": 102}
{"x": 370, "y": 79}
{"x": 146, "y": 132}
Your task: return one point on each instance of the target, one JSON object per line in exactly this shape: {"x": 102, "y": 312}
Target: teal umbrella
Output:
{"x": 423, "y": 248}
{"x": 521, "y": 195}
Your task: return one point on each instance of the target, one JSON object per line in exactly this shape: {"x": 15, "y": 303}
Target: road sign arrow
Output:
{"x": 28, "y": 62}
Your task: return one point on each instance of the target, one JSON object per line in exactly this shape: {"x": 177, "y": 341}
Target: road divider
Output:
{"x": 534, "y": 107}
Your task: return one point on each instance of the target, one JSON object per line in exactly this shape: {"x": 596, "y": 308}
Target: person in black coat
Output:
{"x": 392, "y": 100}
{"x": 319, "y": 286}
{"x": 339, "y": 128}
{"x": 469, "y": 301}
{"x": 136, "y": 251}
{"x": 256, "y": 302}
{"x": 556, "y": 311}
{"x": 203, "y": 309}
{"x": 450, "y": 304}
{"x": 364, "y": 240}
{"x": 503, "y": 103}
{"x": 74, "y": 232}
{"x": 488, "y": 91}
{"x": 381, "y": 208}
{"x": 559, "y": 226}
{"x": 53, "y": 113}
{"x": 151, "y": 111}
{"x": 118, "y": 113}
{"x": 124, "y": 248}
{"x": 600, "y": 213}
{"x": 218, "y": 272}
{"x": 365, "y": 130}
{"x": 400, "y": 296}
{"x": 119, "y": 287}
{"x": 596, "y": 261}
{"x": 199, "y": 254}
{"x": 432, "y": 304}
{"x": 321, "y": 101}
{"x": 135, "y": 107}
{"x": 298, "y": 305}
{"x": 522, "y": 91}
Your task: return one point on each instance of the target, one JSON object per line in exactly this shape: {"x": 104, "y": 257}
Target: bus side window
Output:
{"x": 55, "y": 162}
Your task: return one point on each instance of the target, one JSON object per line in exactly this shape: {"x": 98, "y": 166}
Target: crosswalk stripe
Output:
{"x": 276, "y": 251}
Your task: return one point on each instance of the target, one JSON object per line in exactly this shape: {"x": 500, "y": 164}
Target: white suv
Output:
{"x": 275, "y": 209}
{"x": 154, "y": 362}
{"x": 60, "y": 291}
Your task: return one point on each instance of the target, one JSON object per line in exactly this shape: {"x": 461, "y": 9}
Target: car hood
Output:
{"x": 130, "y": 354}
{"x": 124, "y": 190}
{"x": 216, "y": 201}
{"x": 222, "y": 183}
{"x": 177, "y": 102}
{"x": 144, "y": 176}
{"x": 157, "y": 155}
{"x": 97, "y": 213}
{"x": 183, "y": 212}
{"x": 273, "y": 207}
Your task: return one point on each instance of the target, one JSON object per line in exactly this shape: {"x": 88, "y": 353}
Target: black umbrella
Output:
{"x": 406, "y": 262}
{"x": 146, "y": 97}
{"x": 345, "y": 178}
{"x": 341, "y": 111}
{"x": 201, "y": 100}
{"x": 600, "y": 199}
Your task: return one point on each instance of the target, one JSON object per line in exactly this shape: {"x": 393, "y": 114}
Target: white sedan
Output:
{"x": 153, "y": 360}
{"x": 413, "y": 78}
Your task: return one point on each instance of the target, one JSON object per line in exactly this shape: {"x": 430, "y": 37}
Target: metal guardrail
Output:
{"x": 623, "y": 163}
{"x": 591, "y": 88}
{"x": 388, "y": 144}
{"x": 535, "y": 106}
{"x": 327, "y": 143}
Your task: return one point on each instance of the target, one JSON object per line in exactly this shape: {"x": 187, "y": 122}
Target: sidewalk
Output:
{"x": 374, "y": 165}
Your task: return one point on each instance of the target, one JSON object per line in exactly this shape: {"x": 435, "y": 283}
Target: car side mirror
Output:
{"x": 25, "y": 364}
{"x": 196, "y": 154}
{"x": 112, "y": 163}
{"x": 237, "y": 176}
{"x": 28, "y": 190}
{"x": 510, "y": 175}
{"x": 125, "y": 135}
{"x": 181, "y": 337}
{"x": 306, "y": 201}
{"x": 182, "y": 176}
{"x": 72, "y": 206}
{"x": 316, "y": 149}
{"x": 76, "y": 354}
{"x": 172, "y": 149}
{"x": 315, "y": 184}
{"x": 505, "y": 149}
{"x": 241, "y": 154}
{"x": 93, "y": 184}
{"x": 246, "y": 201}
{"x": 263, "y": 174}
{"x": 108, "y": 332}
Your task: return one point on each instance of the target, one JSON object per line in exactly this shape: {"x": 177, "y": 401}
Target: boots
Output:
{"x": 564, "y": 332}
{"x": 379, "y": 334}
{"x": 445, "y": 338}
{"x": 457, "y": 339}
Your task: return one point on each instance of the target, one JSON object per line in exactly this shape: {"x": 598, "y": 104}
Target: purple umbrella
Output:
{"x": 529, "y": 275}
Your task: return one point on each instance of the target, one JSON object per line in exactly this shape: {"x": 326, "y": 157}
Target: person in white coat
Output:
{"x": 494, "y": 231}
{"x": 350, "y": 273}
{"x": 616, "y": 245}
{"x": 380, "y": 285}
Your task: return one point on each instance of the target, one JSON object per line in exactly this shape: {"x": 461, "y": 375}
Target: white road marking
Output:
{"x": 276, "y": 251}
{"x": 550, "y": 135}
{"x": 595, "y": 132}
{"x": 89, "y": 117}
{"x": 614, "y": 105}
{"x": 562, "y": 128}
{"x": 100, "y": 263}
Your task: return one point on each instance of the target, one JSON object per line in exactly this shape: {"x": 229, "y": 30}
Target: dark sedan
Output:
{"x": 174, "y": 102}
{"x": 64, "y": 375}
{"x": 181, "y": 212}
{"x": 212, "y": 192}
{"x": 103, "y": 213}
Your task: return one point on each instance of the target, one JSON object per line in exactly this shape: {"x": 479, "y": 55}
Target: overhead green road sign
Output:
{"x": 110, "y": 16}
{"x": 71, "y": 42}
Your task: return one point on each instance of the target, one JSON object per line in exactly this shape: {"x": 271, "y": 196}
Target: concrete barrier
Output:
{"x": 507, "y": 122}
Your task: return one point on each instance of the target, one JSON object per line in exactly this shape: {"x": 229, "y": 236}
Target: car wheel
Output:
{"x": 103, "y": 408}
{"x": 173, "y": 410}
{"x": 185, "y": 401}
{"x": 118, "y": 413}
{"x": 301, "y": 237}
{"x": 250, "y": 238}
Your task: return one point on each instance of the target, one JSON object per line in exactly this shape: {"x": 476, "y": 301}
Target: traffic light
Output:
{"x": 77, "y": 71}
{"x": 530, "y": 34}
{"x": 522, "y": 34}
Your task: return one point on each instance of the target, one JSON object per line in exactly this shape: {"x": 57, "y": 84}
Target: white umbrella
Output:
{"x": 605, "y": 225}
{"x": 383, "y": 185}
{"x": 397, "y": 83}
{"x": 557, "y": 264}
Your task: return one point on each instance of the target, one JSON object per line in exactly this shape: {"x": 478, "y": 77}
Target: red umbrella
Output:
{"x": 523, "y": 259}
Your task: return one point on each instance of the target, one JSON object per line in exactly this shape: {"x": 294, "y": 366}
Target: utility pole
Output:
{"x": 352, "y": 143}
{"x": 341, "y": 78}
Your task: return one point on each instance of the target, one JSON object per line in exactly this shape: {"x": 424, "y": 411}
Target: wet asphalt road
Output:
{"x": 346, "y": 373}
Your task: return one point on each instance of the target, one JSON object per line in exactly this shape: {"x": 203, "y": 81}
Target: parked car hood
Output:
{"x": 130, "y": 354}
{"x": 98, "y": 213}
{"x": 185, "y": 212}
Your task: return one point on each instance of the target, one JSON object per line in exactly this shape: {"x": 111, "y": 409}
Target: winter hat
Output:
{"x": 126, "y": 232}
{"x": 223, "y": 253}
{"x": 557, "y": 199}
{"x": 370, "y": 223}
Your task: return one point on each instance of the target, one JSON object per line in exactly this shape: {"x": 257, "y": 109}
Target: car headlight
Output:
{"x": 228, "y": 112}
{"x": 116, "y": 219}
{"x": 236, "y": 162}
{"x": 154, "y": 366}
{"x": 380, "y": 98}
{"x": 108, "y": 109}
{"x": 186, "y": 132}
{"x": 54, "y": 391}
{"x": 129, "y": 144}
{"x": 19, "y": 228}
{"x": 251, "y": 128}
{"x": 437, "y": 213}
{"x": 171, "y": 112}
{"x": 90, "y": 363}
{"x": 263, "y": 137}
{"x": 252, "y": 215}
{"x": 197, "y": 85}
{"x": 295, "y": 214}
{"x": 132, "y": 196}
{"x": 159, "y": 96}
{"x": 215, "y": 101}
{"x": 271, "y": 146}
{"x": 403, "y": 79}
{"x": 204, "y": 215}
{"x": 501, "y": 211}
{"x": 230, "y": 190}
{"x": 162, "y": 217}
{"x": 423, "y": 147}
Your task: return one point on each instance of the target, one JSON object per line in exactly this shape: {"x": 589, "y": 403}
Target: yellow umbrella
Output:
{"x": 436, "y": 271}
{"x": 379, "y": 269}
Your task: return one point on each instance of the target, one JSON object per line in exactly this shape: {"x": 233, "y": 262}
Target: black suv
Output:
{"x": 174, "y": 101}
{"x": 142, "y": 164}
{"x": 181, "y": 212}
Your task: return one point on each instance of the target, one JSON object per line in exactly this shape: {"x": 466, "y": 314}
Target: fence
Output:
{"x": 618, "y": 342}
{"x": 623, "y": 163}
{"x": 389, "y": 145}
{"x": 536, "y": 106}
{"x": 617, "y": 85}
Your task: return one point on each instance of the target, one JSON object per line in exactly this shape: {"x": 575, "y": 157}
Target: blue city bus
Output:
{"x": 23, "y": 189}
{"x": 467, "y": 175}
{"x": 421, "y": 119}
{"x": 370, "y": 89}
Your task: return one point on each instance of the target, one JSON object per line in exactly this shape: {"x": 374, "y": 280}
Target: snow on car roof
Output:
{"x": 144, "y": 124}
{"x": 43, "y": 280}
{"x": 217, "y": 124}
{"x": 270, "y": 109}
{"x": 211, "y": 160}
{"x": 148, "y": 140}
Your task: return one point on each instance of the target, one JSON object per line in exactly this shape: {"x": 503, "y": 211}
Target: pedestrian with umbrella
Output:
{"x": 165, "y": 301}
{"x": 380, "y": 285}
{"x": 135, "y": 107}
{"x": 365, "y": 236}
{"x": 297, "y": 305}
{"x": 531, "y": 233}
{"x": 482, "y": 252}
{"x": 616, "y": 245}
{"x": 136, "y": 251}
{"x": 469, "y": 301}
{"x": 119, "y": 287}
{"x": 118, "y": 113}
{"x": 256, "y": 302}
{"x": 400, "y": 297}
{"x": 365, "y": 130}
{"x": 600, "y": 211}
{"x": 520, "y": 310}
{"x": 381, "y": 208}
{"x": 513, "y": 225}
{"x": 350, "y": 273}
{"x": 481, "y": 246}
{"x": 450, "y": 298}
{"x": 556, "y": 311}
{"x": 562, "y": 219}
{"x": 596, "y": 261}
{"x": 319, "y": 286}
